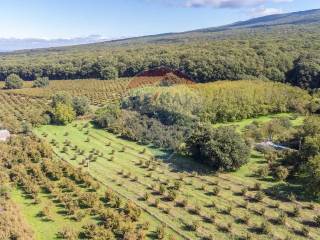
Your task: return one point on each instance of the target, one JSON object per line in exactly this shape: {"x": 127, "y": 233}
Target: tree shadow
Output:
{"x": 283, "y": 191}
{"x": 184, "y": 164}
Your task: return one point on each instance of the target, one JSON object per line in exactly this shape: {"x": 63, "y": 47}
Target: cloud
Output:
{"x": 263, "y": 11}
{"x": 229, "y": 3}
{"x": 222, "y": 3}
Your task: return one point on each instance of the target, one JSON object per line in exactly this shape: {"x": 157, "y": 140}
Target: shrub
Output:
{"x": 203, "y": 187}
{"x": 196, "y": 209}
{"x": 265, "y": 228}
{"x": 248, "y": 237}
{"x": 245, "y": 205}
{"x": 257, "y": 186}
{"x": 262, "y": 211}
{"x": 41, "y": 82}
{"x": 194, "y": 226}
{"x": 226, "y": 228}
{"x": 277, "y": 205}
{"x": 216, "y": 191}
{"x": 13, "y": 81}
{"x": 146, "y": 196}
{"x": 296, "y": 211}
{"x": 68, "y": 233}
{"x": 244, "y": 191}
{"x": 145, "y": 225}
{"x": 311, "y": 206}
{"x": 177, "y": 185}
{"x": 46, "y": 213}
{"x": 212, "y": 217}
{"x": 160, "y": 232}
{"x": 156, "y": 202}
{"x": 184, "y": 203}
{"x": 65, "y": 149}
{"x": 282, "y": 218}
{"x": 246, "y": 219}
{"x": 263, "y": 172}
{"x": 281, "y": 173}
{"x": 317, "y": 220}
{"x": 162, "y": 189}
{"x": 259, "y": 196}
{"x": 305, "y": 232}
{"x": 172, "y": 195}
{"x": 79, "y": 215}
{"x": 132, "y": 211}
{"x": 292, "y": 197}
{"x": 167, "y": 210}
{"x": 228, "y": 210}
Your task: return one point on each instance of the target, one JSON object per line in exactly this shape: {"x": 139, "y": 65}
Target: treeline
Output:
{"x": 275, "y": 58}
{"x": 223, "y": 101}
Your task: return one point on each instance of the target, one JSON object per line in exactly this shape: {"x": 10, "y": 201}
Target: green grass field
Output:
{"x": 126, "y": 167}
{"x": 240, "y": 125}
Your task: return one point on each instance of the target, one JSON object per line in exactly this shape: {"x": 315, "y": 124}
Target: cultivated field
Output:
{"x": 98, "y": 91}
{"x": 15, "y": 109}
{"x": 193, "y": 205}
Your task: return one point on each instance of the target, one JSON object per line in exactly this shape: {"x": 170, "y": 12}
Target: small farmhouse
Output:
{"x": 4, "y": 135}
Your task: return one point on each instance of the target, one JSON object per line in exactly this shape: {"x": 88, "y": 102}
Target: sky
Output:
{"x": 52, "y": 19}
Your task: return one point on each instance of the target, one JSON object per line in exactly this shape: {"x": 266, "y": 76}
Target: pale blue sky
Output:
{"x": 121, "y": 18}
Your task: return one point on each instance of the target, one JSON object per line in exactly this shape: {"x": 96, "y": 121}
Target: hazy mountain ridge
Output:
{"x": 294, "y": 18}
{"x": 261, "y": 25}
{"x": 13, "y": 44}
{"x": 290, "y": 22}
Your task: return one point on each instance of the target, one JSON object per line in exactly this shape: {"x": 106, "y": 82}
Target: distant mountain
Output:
{"x": 11, "y": 44}
{"x": 290, "y": 22}
{"x": 283, "y": 25}
{"x": 295, "y": 18}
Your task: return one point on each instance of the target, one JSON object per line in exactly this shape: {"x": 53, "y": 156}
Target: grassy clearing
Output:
{"x": 240, "y": 125}
{"x": 126, "y": 167}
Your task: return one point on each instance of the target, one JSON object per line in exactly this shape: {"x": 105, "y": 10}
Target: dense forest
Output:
{"x": 282, "y": 54}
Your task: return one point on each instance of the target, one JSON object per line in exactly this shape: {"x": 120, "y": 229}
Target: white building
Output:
{"x": 4, "y": 135}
